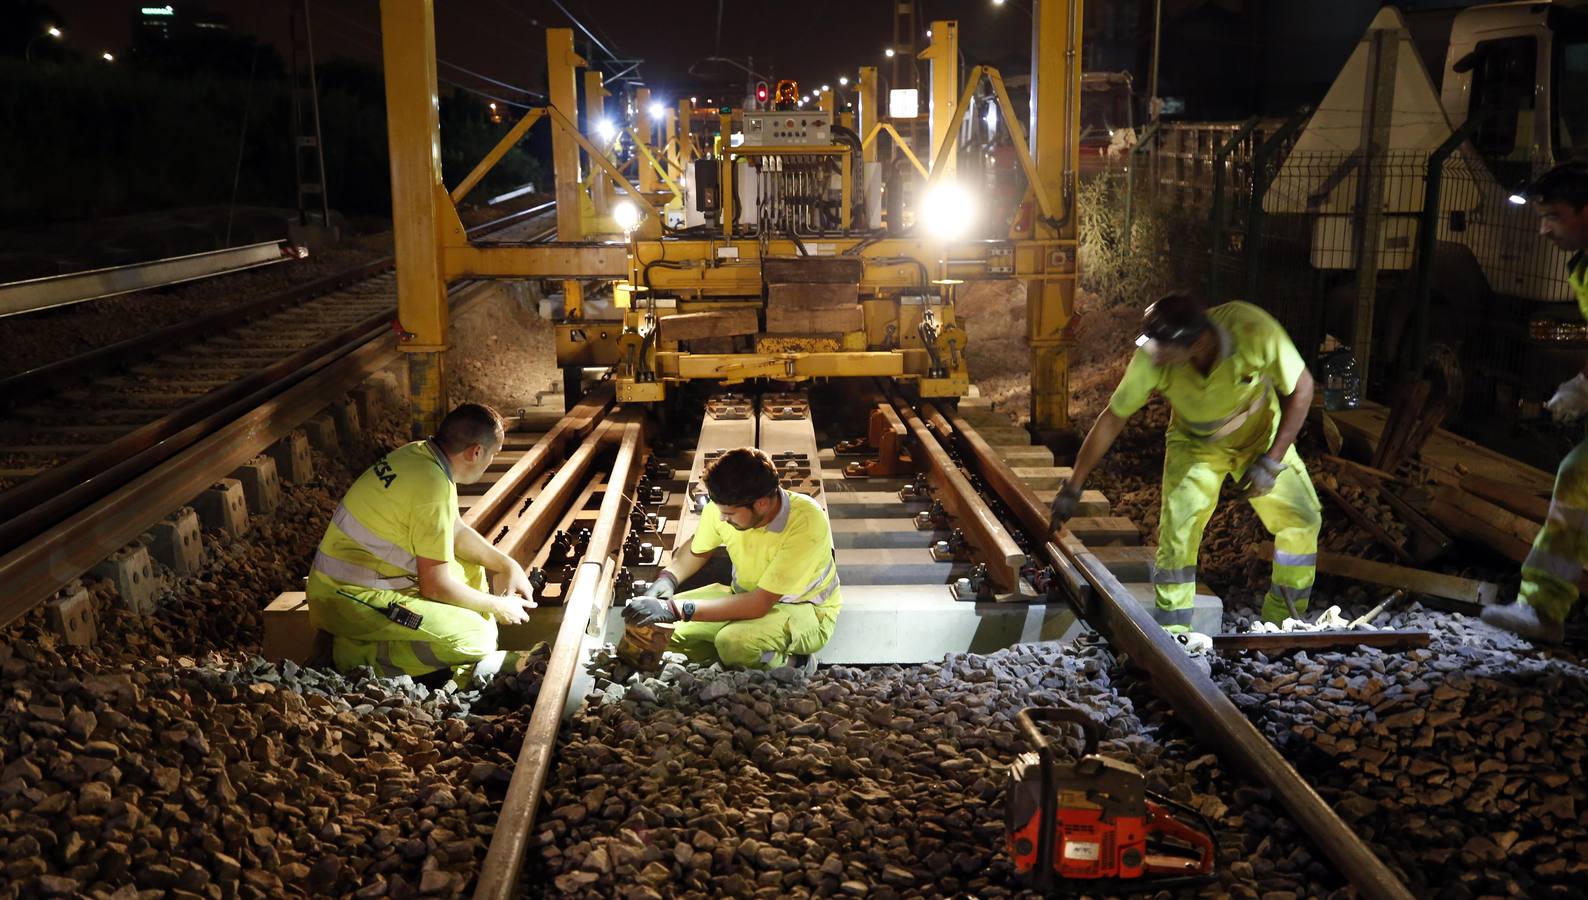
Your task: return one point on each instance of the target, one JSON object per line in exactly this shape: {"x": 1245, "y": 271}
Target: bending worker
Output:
{"x": 399, "y": 580}
{"x": 783, "y": 601}
{"x": 1554, "y": 567}
{"x": 1239, "y": 393}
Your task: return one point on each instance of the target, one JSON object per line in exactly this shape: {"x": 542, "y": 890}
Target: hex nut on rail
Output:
{"x": 131, "y": 570}
{"x": 177, "y": 541}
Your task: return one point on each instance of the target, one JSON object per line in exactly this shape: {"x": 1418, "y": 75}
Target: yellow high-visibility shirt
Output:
{"x": 1577, "y": 277}
{"x": 792, "y": 555}
{"x": 1255, "y": 354}
{"x": 403, "y": 507}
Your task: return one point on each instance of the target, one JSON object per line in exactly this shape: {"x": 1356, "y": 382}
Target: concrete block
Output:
{"x": 1128, "y": 564}
{"x": 390, "y": 390}
{"x": 345, "y": 413}
{"x": 1093, "y": 503}
{"x": 178, "y": 542}
{"x": 1100, "y": 531}
{"x": 223, "y": 507}
{"x": 293, "y": 461}
{"x": 72, "y": 616}
{"x": 261, "y": 487}
{"x": 916, "y": 623}
{"x": 1207, "y": 610}
{"x": 288, "y": 633}
{"x": 1025, "y": 455}
{"x": 367, "y": 401}
{"x": 322, "y": 434}
{"x": 131, "y": 570}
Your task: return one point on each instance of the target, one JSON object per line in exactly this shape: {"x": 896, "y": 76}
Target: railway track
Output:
{"x": 874, "y": 779}
{"x": 127, "y": 418}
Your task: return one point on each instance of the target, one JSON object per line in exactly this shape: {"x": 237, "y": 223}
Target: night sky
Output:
{"x": 813, "y": 41}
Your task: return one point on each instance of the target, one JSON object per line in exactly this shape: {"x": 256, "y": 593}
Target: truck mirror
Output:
{"x": 1466, "y": 63}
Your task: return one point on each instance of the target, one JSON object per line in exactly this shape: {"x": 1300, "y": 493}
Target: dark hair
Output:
{"x": 1177, "y": 318}
{"x": 1566, "y": 183}
{"x": 740, "y": 477}
{"x": 469, "y": 424}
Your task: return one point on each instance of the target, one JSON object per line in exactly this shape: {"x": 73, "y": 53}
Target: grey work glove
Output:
{"x": 664, "y": 586}
{"x": 1570, "y": 402}
{"x": 645, "y": 610}
{"x": 1260, "y": 477}
{"x": 1064, "y": 505}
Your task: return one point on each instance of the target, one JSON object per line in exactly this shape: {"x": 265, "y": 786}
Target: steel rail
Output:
{"x": 28, "y": 385}
{"x": 488, "y": 510}
{"x": 37, "y": 569}
{"x": 530, "y": 530}
{"x": 587, "y": 599}
{"x": 51, "y": 291}
{"x": 1203, "y": 707}
{"x": 982, "y": 528}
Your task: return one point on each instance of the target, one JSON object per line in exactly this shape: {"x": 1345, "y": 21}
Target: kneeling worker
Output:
{"x": 784, "y": 599}
{"x": 399, "y": 580}
{"x": 1239, "y": 392}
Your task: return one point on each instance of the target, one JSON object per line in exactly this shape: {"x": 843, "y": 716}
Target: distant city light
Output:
{"x": 929, "y": 32}
{"x": 843, "y": 80}
{"x": 53, "y": 32}
{"x": 694, "y": 100}
{"x": 493, "y": 106}
{"x": 826, "y": 88}
{"x": 158, "y": 11}
{"x": 888, "y": 53}
{"x": 107, "y": 56}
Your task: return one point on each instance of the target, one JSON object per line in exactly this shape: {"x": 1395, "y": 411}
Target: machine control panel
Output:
{"x": 796, "y": 127}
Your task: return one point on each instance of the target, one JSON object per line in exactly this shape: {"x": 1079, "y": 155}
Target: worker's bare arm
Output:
{"x": 1292, "y": 414}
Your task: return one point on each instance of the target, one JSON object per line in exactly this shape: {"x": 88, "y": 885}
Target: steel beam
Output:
{"x": 943, "y": 54}
{"x": 562, "y": 94}
{"x": 869, "y": 114}
{"x": 77, "y": 287}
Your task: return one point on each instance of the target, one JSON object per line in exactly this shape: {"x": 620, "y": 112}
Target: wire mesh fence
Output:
{"x": 1407, "y": 256}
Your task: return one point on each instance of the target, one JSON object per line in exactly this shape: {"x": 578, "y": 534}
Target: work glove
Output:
{"x": 1570, "y": 402}
{"x": 1064, "y": 504}
{"x": 662, "y": 587}
{"x": 1260, "y": 477}
{"x": 645, "y": 610}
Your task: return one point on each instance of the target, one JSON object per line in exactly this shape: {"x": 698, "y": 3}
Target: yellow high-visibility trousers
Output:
{"x": 1554, "y": 567}
{"x": 448, "y": 637}
{"x": 787, "y": 629}
{"x": 1193, "y": 471}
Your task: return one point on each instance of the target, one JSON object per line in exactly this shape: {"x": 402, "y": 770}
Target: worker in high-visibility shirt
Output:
{"x": 1554, "y": 567}
{"x": 400, "y": 580}
{"x": 784, "y": 598}
{"x": 1239, "y": 392}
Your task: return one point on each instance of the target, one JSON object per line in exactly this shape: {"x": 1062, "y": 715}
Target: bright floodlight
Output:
{"x": 658, "y": 111}
{"x": 53, "y": 32}
{"x": 946, "y": 211}
{"x": 826, "y": 88}
{"x": 626, "y": 215}
{"x": 998, "y": 2}
{"x": 888, "y": 53}
{"x": 107, "y": 56}
{"x": 843, "y": 80}
{"x": 605, "y": 130}
{"x": 1518, "y": 199}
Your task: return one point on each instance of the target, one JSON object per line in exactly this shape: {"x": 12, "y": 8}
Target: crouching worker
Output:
{"x": 399, "y": 580}
{"x": 783, "y": 601}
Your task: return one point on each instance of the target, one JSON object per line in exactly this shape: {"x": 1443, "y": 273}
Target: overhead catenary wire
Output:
{"x": 375, "y": 32}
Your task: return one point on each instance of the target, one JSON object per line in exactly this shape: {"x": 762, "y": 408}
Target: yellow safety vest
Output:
{"x": 791, "y": 556}
{"x": 403, "y": 507}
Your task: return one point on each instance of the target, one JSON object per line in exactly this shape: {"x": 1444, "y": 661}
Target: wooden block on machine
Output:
{"x": 702, "y": 325}
{"x": 814, "y": 296}
{"x": 288, "y": 634}
{"x": 1099, "y": 531}
{"x": 778, "y": 270}
{"x": 796, "y": 320}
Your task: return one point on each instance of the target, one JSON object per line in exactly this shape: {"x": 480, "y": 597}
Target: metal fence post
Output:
{"x": 1428, "y": 235}
{"x": 1219, "y": 156}
{"x": 1255, "y": 217}
{"x": 1150, "y": 134}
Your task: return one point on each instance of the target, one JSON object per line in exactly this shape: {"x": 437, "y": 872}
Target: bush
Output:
{"x": 1168, "y": 247}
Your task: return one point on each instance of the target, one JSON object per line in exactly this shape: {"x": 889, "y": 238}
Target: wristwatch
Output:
{"x": 689, "y": 610}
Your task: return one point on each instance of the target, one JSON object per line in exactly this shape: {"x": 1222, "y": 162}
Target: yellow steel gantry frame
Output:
{"x": 432, "y": 248}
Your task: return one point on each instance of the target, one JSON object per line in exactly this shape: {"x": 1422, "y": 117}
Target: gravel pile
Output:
{"x": 882, "y": 782}
{"x": 1462, "y": 764}
{"x": 169, "y": 758}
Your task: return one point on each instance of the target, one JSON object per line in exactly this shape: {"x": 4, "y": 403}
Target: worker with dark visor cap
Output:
{"x": 1239, "y": 393}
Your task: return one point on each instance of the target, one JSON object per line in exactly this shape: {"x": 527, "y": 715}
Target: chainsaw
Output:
{"x": 1095, "y": 819}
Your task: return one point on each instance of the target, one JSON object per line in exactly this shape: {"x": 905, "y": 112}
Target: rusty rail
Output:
{"x": 982, "y": 528}
{"x": 1201, "y": 704}
{"x": 487, "y": 511}
{"x": 589, "y": 595}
